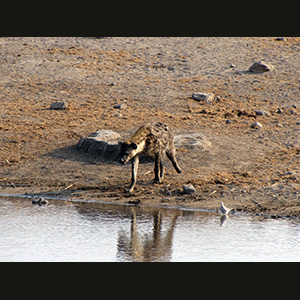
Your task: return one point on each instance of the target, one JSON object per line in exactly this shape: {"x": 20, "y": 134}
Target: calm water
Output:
{"x": 103, "y": 232}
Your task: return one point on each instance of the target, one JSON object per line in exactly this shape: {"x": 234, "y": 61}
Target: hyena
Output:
{"x": 153, "y": 139}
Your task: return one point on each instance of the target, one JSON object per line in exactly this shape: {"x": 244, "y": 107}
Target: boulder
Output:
{"x": 103, "y": 143}
{"x": 260, "y": 67}
{"x": 192, "y": 141}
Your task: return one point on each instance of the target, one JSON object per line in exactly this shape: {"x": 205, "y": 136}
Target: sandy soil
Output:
{"x": 253, "y": 170}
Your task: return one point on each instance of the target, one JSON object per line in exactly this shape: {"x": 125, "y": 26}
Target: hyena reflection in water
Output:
{"x": 155, "y": 139}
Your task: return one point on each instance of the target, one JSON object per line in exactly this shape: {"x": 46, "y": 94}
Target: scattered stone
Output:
{"x": 279, "y": 125}
{"x": 206, "y": 97}
{"x": 228, "y": 122}
{"x": 260, "y": 67}
{"x": 120, "y": 106}
{"x": 189, "y": 189}
{"x": 59, "y": 105}
{"x": 279, "y": 111}
{"x": 298, "y": 123}
{"x": 232, "y": 66}
{"x": 40, "y": 201}
{"x": 256, "y": 125}
{"x": 280, "y": 39}
{"x": 260, "y": 112}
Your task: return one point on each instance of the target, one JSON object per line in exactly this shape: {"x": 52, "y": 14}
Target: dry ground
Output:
{"x": 254, "y": 170}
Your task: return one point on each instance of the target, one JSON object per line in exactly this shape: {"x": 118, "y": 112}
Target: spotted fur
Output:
{"x": 153, "y": 139}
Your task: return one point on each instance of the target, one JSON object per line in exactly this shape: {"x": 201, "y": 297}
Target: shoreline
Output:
{"x": 147, "y": 205}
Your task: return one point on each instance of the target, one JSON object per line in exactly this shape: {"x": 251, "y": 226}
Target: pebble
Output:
{"x": 189, "y": 189}
{"x": 232, "y": 66}
{"x": 120, "y": 106}
{"x": 59, "y": 105}
{"x": 207, "y": 97}
{"x": 260, "y": 67}
{"x": 256, "y": 125}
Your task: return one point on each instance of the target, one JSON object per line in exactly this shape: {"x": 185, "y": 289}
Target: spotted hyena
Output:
{"x": 153, "y": 139}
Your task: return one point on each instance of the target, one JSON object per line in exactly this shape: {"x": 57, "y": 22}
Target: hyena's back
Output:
{"x": 158, "y": 138}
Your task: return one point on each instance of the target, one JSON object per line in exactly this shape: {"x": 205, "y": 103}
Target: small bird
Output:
{"x": 224, "y": 210}
{"x": 41, "y": 201}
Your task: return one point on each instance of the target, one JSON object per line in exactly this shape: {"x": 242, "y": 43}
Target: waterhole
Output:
{"x": 80, "y": 231}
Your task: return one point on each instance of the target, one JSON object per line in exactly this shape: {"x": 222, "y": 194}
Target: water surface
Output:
{"x": 77, "y": 231}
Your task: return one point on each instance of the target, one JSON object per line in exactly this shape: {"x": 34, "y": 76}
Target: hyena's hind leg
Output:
{"x": 171, "y": 154}
{"x": 158, "y": 169}
{"x": 135, "y": 166}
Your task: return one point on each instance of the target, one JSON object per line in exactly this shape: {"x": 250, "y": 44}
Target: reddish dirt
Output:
{"x": 253, "y": 170}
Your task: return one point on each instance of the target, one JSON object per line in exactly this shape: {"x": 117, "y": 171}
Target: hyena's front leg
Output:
{"x": 135, "y": 166}
{"x": 158, "y": 169}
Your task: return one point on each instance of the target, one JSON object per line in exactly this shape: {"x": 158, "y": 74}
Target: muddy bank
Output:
{"x": 119, "y": 83}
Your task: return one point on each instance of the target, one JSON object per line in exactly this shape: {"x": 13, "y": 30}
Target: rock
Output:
{"x": 103, "y": 143}
{"x": 256, "y": 125}
{"x": 232, "y": 66}
{"x": 260, "y": 112}
{"x": 120, "y": 106}
{"x": 260, "y": 67}
{"x": 189, "y": 189}
{"x": 280, "y": 39}
{"x": 59, "y": 105}
{"x": 192, "y": 141}
{"x": 207, "y": 97}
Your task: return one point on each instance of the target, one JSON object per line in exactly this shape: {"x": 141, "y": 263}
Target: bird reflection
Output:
{"x": 223, "y": 219}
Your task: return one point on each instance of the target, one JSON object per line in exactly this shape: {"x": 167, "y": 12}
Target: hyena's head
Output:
{"x": 127, "y": 152}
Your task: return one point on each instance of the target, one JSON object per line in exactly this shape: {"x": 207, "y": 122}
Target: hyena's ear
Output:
{"x": 133, "y": 145}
